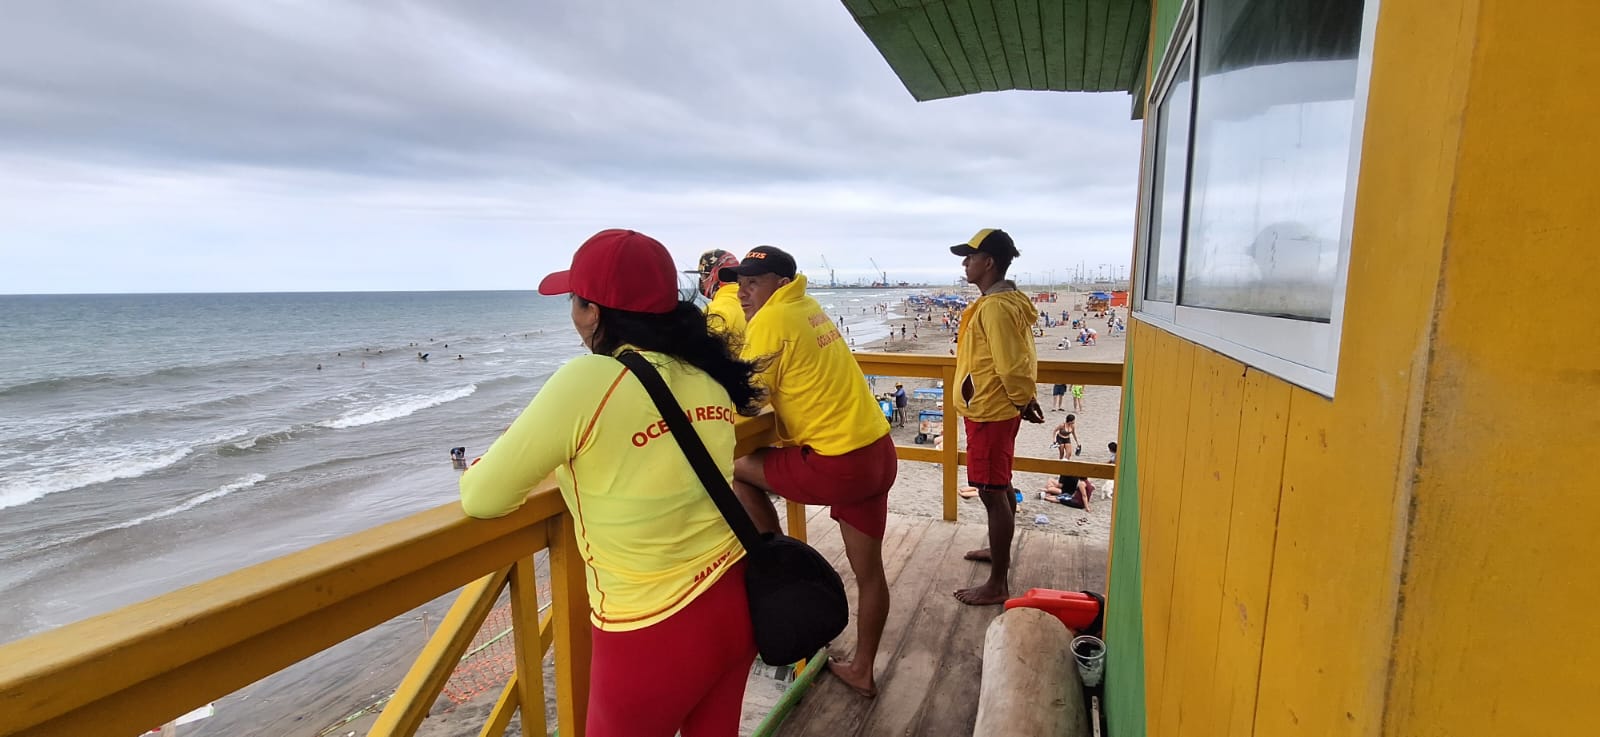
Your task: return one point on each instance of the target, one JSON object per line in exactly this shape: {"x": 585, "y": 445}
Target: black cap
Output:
{"x": 992, "y": 241}
{"x": 760, "y": 260}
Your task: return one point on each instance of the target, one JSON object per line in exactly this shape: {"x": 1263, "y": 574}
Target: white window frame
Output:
{"x": 1302, "y": 352}
{"x": 1180, "y": 42}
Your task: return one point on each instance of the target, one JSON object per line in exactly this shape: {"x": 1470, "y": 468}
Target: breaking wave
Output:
{"x": 394, "y": 410}
{"x": 218, "y": 493}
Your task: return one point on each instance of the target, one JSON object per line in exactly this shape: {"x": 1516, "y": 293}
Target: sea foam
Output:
{"x": 394, "y": 410}
{"x": 51, "y": 480}
{"x": 218, "y": 493}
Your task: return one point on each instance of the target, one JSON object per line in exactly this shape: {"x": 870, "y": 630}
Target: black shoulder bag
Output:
{"x": 797, "y": 600}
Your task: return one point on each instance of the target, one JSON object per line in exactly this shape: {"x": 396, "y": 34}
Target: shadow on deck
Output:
{"x": 931, "y": 658}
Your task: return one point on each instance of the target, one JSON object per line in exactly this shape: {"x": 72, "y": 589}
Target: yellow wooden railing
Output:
{"x": 950, "y": 457}
{"x": 125, "y": 671}
{"x": 142, "y": 665}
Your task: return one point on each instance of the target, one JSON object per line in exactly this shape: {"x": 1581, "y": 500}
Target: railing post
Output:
{"x": 530, "y": 655}
{"x": 570, "y": 602}
{"x": 797, "y": 520}
{"x": 952, "y": 444}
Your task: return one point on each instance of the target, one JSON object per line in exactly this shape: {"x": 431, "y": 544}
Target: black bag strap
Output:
{"x": 694, "y": 449}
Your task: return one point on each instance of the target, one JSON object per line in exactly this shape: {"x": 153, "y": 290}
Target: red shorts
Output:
{"x": 854, "y": 486}
{"x": 990, "y": 449}
{"x": 685, "y": 673}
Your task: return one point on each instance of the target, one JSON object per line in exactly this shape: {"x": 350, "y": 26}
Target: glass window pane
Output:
{"x": 1272, "y": 135}
{"x": 1166, "y": 204}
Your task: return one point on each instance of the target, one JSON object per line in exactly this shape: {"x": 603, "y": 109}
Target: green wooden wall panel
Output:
{"x": 1166, "y": 17}
{"x": 938, "y": 20}
{"x": 1052, "y": 24}
{"x": 972, "y": 43}
{"x": 1124, "y": 623}
{"x": 1115, "y": 36}
{"x": 1005, "y": 18}
{"x": 1076, "y": 18}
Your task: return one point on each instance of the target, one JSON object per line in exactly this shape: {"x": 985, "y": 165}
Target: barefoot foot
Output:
{"x": 981, "y": 555}
{"x": 846, "y": 671}
{"x": 984, "y": 595}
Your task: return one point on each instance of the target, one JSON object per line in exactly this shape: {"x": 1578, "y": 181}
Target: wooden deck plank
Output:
{"x": 930, "y": 662}
{"x": 918, "y": 647}
{"x": 952, "y": 696}
{"x": 832, "y": 708}
{"x": 900, "y": 538}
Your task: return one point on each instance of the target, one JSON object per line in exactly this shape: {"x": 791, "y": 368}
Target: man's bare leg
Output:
{"x": 1000, "y": 504}
{"x": 750, "y": 485}
{"x": 981, "y": 555}
{"x": 872, "y": 588}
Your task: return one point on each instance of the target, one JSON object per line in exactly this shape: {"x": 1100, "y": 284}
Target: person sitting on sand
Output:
{"x": 838, "y": 449}
{"x": 1069, "y": 490}
{"x": 666, "y": 584}
{"x": 996, "y": 366}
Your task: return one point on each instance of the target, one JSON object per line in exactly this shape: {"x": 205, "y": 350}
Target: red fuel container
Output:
{"x": 1080, "y": 612}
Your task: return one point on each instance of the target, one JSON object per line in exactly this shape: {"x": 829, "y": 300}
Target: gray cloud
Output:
{"x": 351, "y": 128}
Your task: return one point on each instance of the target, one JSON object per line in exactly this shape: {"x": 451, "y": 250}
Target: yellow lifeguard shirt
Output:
{"x": 816, "y": 387}
{"x": 725, "y": 305}
{"x": 996, "y": 364}
{"x": 650, "y": 535}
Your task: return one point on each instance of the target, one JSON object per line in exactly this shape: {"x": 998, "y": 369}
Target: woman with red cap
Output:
{"x": 671, "y": 625}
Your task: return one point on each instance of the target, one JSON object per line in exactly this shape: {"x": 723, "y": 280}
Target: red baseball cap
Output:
{"x": 620, "y": 269}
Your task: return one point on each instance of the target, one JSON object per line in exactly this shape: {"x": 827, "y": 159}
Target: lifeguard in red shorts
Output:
{"x": 837, "y": 446}
{"x": 996, "y": 367}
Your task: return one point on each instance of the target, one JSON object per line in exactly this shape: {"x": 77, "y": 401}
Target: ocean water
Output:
{"x": 148, "y": 442}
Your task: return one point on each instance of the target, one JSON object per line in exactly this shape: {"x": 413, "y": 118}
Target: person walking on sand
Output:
{"x": 1058, "y": 394}
{"x": 1066, "y": 440}
{"x": 837, "y": 452}
{"x": 723, "y": 311}
{"x": 1077, "y": 397}
{"x": 671, "y": 637}
{"x": 996, "y": 366}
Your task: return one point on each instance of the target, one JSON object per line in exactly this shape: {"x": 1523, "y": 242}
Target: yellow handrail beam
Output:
{"x": 149, "y": 662}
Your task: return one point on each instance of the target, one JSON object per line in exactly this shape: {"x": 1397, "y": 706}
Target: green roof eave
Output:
{"x": 947, "y": 48}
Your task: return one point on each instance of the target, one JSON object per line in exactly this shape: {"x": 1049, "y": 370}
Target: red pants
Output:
{"x": 685, "y": 673}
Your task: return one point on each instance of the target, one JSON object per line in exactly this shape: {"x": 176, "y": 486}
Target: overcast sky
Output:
{"x": 201, "y": 145}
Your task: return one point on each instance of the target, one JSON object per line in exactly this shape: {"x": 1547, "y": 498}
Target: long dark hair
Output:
{"x": 683, "y": 334}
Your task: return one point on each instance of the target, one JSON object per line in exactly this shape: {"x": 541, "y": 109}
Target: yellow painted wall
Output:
{"x": 1498, "y": 626}
{"x": 1411, "y": 557}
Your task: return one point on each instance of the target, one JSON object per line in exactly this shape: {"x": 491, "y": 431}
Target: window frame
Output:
{"x": 1179, "y": 43}
{"x": 1301, "y": 352}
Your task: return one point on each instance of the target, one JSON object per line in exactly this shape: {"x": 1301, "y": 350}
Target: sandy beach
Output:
{"x": 917, "y": 490}
{"x": 366, "y": 668}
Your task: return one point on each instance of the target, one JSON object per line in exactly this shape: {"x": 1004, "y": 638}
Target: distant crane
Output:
{"x": 885, "y": 274}
{"x": 829, "y": 267}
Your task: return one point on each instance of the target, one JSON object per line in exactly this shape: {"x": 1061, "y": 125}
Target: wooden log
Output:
{"x": 1030, "y": 682}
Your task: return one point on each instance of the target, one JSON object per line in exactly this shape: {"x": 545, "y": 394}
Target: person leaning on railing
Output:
{"x": 838, "y": 450}
{"x": 671, "y": 624}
